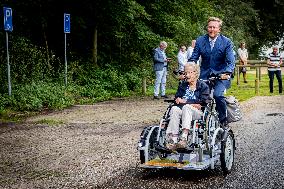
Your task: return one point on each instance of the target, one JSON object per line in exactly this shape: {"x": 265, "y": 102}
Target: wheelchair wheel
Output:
{"x": 227, "y": 153}
{"x": 150, "y": 152}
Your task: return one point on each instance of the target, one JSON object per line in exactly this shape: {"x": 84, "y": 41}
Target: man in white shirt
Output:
{"x": 182, "y": 58}
{"x": 190, "y": 49}
{"x": 243, "y": 58}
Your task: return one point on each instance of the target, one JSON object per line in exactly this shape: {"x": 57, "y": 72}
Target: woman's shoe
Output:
{"x": 183, "y": 143}
{"x": 171, "y": 145}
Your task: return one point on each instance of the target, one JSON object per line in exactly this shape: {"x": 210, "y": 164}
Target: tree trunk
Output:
{"x": 95, "y": 49}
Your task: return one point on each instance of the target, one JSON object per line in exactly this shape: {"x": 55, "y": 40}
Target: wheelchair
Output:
{"x": 209, "y": 143}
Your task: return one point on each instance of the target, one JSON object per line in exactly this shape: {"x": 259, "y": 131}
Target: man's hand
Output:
{"x": 225, "y": 76}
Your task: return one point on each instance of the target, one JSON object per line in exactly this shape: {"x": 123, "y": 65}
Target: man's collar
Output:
{"x": 214, "y": 40}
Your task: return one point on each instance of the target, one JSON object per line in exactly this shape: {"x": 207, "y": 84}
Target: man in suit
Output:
{"x": 218, "y": 59}
{"x": 160, "y": 68}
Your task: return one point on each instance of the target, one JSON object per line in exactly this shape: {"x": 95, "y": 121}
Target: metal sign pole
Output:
{"x": 8, "y": 26}
{"x": 66, "y": 30}
{"x": 65, "y": 60}
{"x": 8, "y": 66}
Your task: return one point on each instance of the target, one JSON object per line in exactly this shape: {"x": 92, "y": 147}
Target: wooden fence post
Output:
{"x": 259, "y": 74}
{"x": 238, "y": 75}
{"x": 257, "y": 81}
{"x": 144, "y": 87}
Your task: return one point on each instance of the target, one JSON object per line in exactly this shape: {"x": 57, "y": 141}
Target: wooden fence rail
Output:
{"x": 257, "y": 64}
{"x": 257, "y": 75}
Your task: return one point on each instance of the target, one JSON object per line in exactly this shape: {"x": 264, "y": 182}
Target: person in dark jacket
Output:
{"x": 191, "y": 94}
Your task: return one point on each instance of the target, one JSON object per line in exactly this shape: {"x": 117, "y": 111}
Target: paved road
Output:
{"x": 95, "y": 147}
{"x": 259, "y": 161}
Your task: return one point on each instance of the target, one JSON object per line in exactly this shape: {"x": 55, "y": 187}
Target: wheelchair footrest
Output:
{"x": 187, "y": 150}
{"x": 162, "y": 149}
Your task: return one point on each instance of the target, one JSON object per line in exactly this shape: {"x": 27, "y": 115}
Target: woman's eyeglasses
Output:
{"x": 191, "y": 72}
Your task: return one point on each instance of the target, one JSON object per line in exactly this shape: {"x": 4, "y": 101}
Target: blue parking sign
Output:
{"x": 8, "y": 26}
{"x": 66, "y": 23}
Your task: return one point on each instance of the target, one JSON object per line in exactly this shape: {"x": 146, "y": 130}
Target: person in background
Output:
{"x": 190, "y": 50}
{"x": 218, "y": 59}
{"x": 160, "y": 67}
{"x": 243, "y": 59}
{"x": 182, "y": 58}
{"x": 274, "y": 61}
{"x": 191, "y": 94}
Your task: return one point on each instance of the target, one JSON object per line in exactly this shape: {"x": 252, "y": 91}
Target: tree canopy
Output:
{"x": 122, "y": 33}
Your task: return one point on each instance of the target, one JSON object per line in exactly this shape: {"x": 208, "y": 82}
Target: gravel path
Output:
{"x": 95, "y": 147}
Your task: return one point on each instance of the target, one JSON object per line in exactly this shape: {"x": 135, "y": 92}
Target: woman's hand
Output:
{"x": 180, "y": 101}
{"x": 197, "y": 106}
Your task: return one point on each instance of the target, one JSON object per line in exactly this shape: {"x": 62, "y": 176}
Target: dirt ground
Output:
{"x": 83, "y": 146}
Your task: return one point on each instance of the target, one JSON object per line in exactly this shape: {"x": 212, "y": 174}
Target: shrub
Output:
{"x": 40, "y": 95}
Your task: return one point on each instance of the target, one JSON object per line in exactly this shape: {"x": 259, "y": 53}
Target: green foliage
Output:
{"x": 94, "y": 84}
{"x": 271, "y": 15}
{"x": 240, "y": 21}
{"x": 128, "y": 30}
{"x": 27, "y": 63}
{"x": 38, "y": 96}
{"x": 109, "y": 82}
{"x": 2, "y": 103}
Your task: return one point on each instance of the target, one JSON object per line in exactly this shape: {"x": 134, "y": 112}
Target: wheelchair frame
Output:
{"x": 210, "y": 144}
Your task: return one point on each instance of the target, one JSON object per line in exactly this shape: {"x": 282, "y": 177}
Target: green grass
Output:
{"x": 245, "y": 91}
{"x": 242, "y": 92}
{"x": 11, "y": 116}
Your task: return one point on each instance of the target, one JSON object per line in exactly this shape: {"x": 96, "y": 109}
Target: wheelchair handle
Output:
{"x": 173, "y": 101}
{"x": 169, "y": 100}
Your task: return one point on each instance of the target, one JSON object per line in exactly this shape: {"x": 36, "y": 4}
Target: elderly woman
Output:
{"x": 191, "y": 94}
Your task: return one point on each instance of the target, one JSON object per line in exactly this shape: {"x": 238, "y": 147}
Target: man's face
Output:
{"x": 275, "y": 50}
{"x": 213, "y": 29}
{"x": 183, "y": 48}
{"x": 163, "y": 46}
{"x": 193, "y": 43}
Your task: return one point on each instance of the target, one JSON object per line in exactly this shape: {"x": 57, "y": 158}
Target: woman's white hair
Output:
{"x": 163, "y": 43}
{"x": 195, "y": 67}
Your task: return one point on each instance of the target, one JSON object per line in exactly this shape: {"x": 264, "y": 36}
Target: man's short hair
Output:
{"x": 242, "y": 43}
{"x": 215, "y": 19}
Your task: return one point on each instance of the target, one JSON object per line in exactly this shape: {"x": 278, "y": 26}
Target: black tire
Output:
{"x": 142, "y": 156}
{"x": 227, "y": 153}
{"x": 150, "y": 148}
